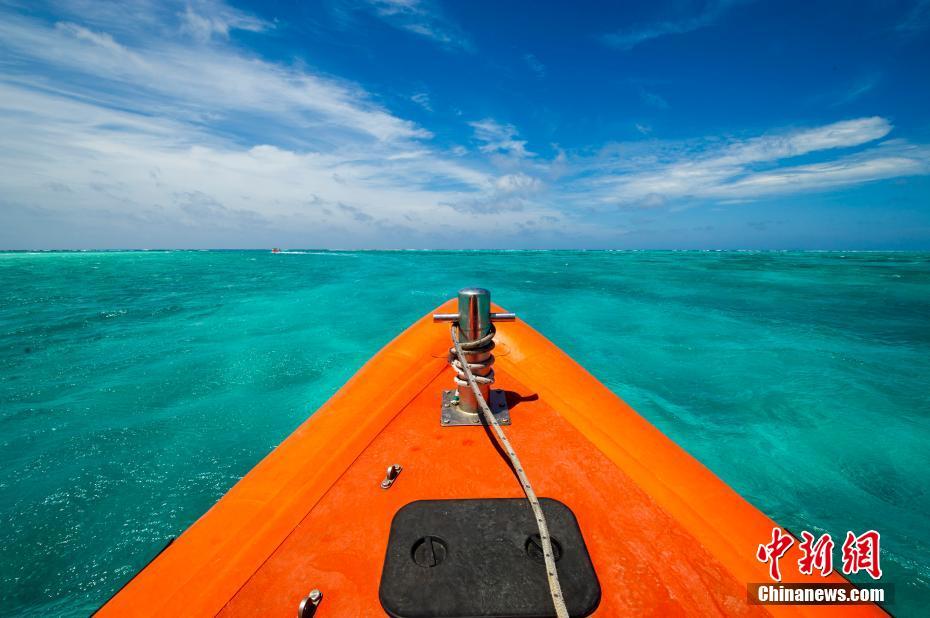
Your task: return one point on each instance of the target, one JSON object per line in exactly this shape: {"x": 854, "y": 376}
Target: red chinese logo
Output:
{"x": 860, "y": 553}
{"x": 817, "y": 555}
{"x": 772, "y": 552}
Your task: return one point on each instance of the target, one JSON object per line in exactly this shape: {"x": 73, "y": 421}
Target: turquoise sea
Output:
{"x": 137, "y": 387}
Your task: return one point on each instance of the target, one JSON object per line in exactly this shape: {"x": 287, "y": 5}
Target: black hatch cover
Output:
{"x": 465, "y": 558}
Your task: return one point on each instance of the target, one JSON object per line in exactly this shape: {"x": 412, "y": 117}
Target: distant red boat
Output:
{"x": 276, "y": 250}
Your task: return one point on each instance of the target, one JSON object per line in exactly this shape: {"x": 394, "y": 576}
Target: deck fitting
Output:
{"x": 452, "y": 415}
{"x": 393, "y": 471}
{"x": 309, "y": 604}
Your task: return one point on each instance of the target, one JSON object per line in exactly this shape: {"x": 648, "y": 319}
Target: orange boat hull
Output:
{"x": 665, "y": 535}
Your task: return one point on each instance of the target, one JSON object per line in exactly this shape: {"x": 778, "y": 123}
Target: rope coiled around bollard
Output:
{"x": 478, "y": 346}
{"x": 464, "y": 369}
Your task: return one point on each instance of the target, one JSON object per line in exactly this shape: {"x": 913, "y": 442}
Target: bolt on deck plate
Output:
{"x": 452, "y": 416}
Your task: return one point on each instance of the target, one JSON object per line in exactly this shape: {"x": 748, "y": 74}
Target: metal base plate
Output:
{"x": 452, "y": 416}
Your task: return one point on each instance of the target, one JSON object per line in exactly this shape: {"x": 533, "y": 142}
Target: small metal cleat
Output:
{"x": 393, "y": 471}
{"x": 309, "y": 603}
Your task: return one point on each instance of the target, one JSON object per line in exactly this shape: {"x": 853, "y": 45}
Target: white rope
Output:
{"x": 555, "y": 589}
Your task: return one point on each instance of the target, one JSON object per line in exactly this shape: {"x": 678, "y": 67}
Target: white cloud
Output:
{"x": 499, "y": 138}
{"x": 630, "y": 38}
{"x": 842, "y": 134}
{"x": 135, "y": 132}
{"x": 140, "y": 176}
{"x": 211, "y": 19}
{"x": 421, "y": 17}
{"x": 751, "y": 168}
{"x": 148, "y": 132}
{"x": 820, "y": 176}
{"x": 422, "y": 99}
{"x": 199, "y": 83}
{"x": 102, "y": 40}
{"x": 519, "y": 182}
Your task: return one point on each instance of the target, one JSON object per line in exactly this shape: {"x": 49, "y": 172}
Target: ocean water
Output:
{"x": 137, "y": 387}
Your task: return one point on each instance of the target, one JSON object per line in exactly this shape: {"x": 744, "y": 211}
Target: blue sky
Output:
{"x": 420, "y": 124}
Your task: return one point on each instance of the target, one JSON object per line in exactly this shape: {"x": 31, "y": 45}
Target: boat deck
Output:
{"x": 665, "y": 535}
{"x": 630, "y": 539}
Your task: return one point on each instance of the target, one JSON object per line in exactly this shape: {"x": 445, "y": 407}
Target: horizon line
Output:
{"x": 447, "y": 250}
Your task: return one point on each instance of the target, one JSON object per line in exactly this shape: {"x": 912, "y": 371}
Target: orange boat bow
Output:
{"x": 666, "y": 536}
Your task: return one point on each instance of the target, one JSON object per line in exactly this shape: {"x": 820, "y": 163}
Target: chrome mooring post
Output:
{"x": 474, "y": 323}
{"x": 474, "y": 318}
